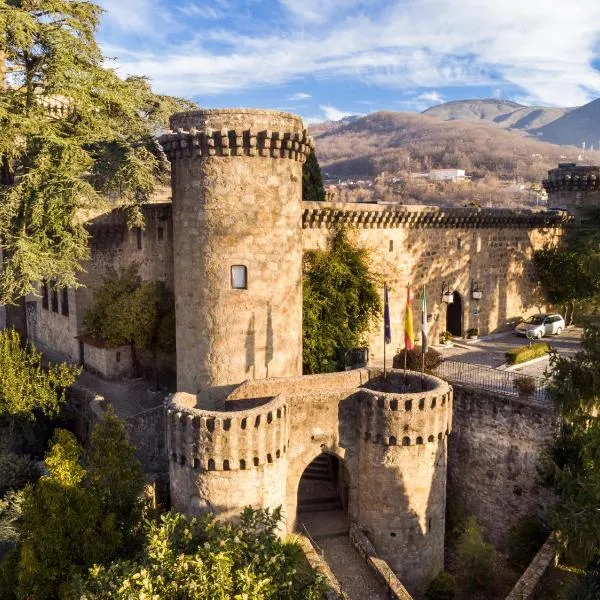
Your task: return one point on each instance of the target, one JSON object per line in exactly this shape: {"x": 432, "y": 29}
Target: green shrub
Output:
{"x": 475, "y": 555}
{"x": 441, "y": 587}
{"x": 456, "y": 517}
{"x": 525, "y": 385}
{"x": 514, "y": 356}
{"x": 16, "y": 471}
{"x": 414, "y": 359}
{"x": 473, "y": 332}
{"x": 525, "y": 538}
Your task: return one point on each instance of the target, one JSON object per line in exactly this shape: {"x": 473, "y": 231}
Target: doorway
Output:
{"x": 454, "y": 313}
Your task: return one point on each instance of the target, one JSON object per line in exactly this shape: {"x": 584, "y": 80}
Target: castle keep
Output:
{"x": 245, "y": 426}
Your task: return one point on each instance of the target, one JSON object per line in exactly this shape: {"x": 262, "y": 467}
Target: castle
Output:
{"x": 245, "y": 425}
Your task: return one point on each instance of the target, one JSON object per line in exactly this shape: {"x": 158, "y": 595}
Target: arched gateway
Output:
{"x": 371, "y": 448}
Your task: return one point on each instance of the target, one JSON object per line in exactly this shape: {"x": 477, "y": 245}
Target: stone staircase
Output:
{"x": 319, "y": 490}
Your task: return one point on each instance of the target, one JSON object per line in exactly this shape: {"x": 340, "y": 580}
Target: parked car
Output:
{"x": 537, "y": 326}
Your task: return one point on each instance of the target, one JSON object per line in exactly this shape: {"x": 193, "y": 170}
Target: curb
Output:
{"x": 533, "y": 361}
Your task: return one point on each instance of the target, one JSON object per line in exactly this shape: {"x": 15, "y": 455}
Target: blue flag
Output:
{"x": 387, "y": 329}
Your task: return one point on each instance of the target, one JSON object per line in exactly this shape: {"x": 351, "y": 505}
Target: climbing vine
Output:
{"x": 341, "y": 300}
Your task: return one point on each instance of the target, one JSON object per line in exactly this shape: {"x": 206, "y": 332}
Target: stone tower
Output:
{"x": 237, "y": 199}
{"x": 573, "y": 187}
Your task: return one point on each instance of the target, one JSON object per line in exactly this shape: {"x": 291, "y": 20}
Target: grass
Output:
{"x": 515, "y": 356}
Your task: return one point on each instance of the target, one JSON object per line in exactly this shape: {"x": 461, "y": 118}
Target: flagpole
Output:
{"x": 406, "y": 330}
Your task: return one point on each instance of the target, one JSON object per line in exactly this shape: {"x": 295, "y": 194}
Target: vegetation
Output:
{"x": 475, "y": 555}
{"x": 472, "y": 332}
{"x": 525, "y": 385}
{"x": 312, "y": 180}
{"x": 72, "y": 136}
{"x": 521, "y": 354}
{"x": 441, "y": 587}
{"x": 16, "y": 472}
{"x": 414, "y": 359}
{"x": 86, "y": 511}
{"x": 574, "y": 386}
{"x": 26, "y": 388}
{"x": 525, "y": 538}
{"x": 128, "y": 311}
{"x": 340, "y": 300}
{"x": 205, "y": 559}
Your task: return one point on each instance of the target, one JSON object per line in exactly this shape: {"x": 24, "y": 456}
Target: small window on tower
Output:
{"x": 54, "y": 299}
{"x": 391, "y": 245}
{"x": 160, "y": 234}
{"x": 65, "y": 302}
{"x": 239, "y": 277}
{"x": 458, "y": 244}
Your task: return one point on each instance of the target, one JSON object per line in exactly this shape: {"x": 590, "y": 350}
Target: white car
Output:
{"x": 537, "y": 326}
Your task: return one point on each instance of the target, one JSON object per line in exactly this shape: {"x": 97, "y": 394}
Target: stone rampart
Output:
{"x": 495, "y": 458}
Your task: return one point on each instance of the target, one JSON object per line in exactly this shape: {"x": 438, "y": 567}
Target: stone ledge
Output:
{"x": 328, "y": 214}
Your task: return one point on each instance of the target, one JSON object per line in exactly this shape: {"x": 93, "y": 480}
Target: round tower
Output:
{"x": 573, "y": 187}
{"x": 237, "y": 199}
{"x": 402, "y": 454}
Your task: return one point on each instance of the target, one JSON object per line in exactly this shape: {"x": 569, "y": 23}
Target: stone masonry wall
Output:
{"x": 493, "y": 251}
{"x": 495, "y": 452}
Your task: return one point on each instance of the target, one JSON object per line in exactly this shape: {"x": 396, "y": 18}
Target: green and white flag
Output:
{"x": 424, "y": 324}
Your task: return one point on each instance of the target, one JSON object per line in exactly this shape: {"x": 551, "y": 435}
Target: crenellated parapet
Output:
{"x": 239, "y": 440}
{"x": 408, "y": 418}
{"x": 378, "y": 216}
{"x": 570, "y": 177}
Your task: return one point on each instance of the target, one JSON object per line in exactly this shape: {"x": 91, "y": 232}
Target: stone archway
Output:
{"x": 323, "y": 496}
{"x": 454, "y": 315}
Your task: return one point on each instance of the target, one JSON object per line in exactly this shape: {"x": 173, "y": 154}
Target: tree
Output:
{"x": 340, "y": 300}
{"x": 312, "y": 180}
{"x": 127, "y": 310}
{"x": 86, "y": 511}
{"x": 204, "y": 559}
{"x": 475, "y": 555}
{"x": 72, "y": 135}
{"x": 27, "y": 388}
{"x": 574, "y": 386}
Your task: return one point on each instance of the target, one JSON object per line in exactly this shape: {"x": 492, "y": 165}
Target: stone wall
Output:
{"x": 110, "y": 363}
{"x": 429, "y": 246}
{"x": 495, "y": 453}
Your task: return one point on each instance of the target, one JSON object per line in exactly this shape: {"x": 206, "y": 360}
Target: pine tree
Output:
{"x": 312, "y": 180}
{"x": 72, "y": 136}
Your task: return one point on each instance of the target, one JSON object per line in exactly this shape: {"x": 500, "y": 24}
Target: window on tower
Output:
{"x": 239, "y": 277}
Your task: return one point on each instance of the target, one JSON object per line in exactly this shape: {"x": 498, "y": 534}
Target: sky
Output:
{"x": 326, "y": 59}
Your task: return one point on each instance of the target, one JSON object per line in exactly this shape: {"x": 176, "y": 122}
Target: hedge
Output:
{"x": 525, "y": 353}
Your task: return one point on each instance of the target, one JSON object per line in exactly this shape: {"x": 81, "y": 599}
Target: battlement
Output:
{"x": 408, "y": 418}
{"x": 206, "y": 440}
{"x": 570, "y": 177}
{"x": 378, "y": 216}
{"x": 236, "y": 132}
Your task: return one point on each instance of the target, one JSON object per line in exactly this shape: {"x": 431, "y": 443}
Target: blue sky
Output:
{"x": 325, "y": 59}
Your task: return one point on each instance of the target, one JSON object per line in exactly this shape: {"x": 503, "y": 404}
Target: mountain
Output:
{"x": 504, "y": 113}
{"x": 575, "y": 127}
{"x": 397, "y": 142}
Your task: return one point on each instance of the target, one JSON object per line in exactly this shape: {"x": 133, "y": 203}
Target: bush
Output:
{"x": 475, "y": 555}
{"x": 525, "y": 538}
{"x": 16, "y": 471}
{"x": 514, "y": 356}
{"x": 414, "y": 359}
{"x": 441, "y": 587}
{"x": 525, "y": 385}
{"x": 472, "y": 332}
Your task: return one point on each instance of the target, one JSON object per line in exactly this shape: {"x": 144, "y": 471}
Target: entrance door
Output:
{"x": 454, "y": 316}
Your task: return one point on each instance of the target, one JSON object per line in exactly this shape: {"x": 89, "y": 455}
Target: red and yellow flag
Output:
{"x": 409, "y": 334}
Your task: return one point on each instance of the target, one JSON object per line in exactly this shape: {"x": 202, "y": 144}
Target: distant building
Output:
{"x": 447, "y": 175}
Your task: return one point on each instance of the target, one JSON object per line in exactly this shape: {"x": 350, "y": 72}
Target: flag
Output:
{"x": 424, "y": 323}
{"x": 409, "y": 334}
{"x": 387, "y": 329}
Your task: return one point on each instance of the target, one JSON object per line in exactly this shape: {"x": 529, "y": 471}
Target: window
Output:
{"x": 118, "y": 357}
{"x": 160, "y": 234}
{"x": 391, "y": 245}
{"x": 138, "y": 235}
{"x": 45, "y": 295}
{"x": 54, "y": 299}
{"x": 239, "y": 277}
{"x": 458, "y": 244}
{"x": 65, "y": 302}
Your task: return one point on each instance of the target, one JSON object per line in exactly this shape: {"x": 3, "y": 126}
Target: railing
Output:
{"x": 493, "y": 380}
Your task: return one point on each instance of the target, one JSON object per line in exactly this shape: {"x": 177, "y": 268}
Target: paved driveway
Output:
{"x": 490, "y": 352}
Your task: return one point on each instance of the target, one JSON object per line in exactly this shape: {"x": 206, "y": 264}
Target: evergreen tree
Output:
{"x": 72, "y": 135}
{"x": 312, "y": 180}
{"x": 340, "y": 301}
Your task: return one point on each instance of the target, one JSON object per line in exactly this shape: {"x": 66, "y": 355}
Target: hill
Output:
{"x": 575, "y": 127}
{"x": 504, "y": 113}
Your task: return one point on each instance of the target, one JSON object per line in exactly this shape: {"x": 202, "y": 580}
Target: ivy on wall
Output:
{"x": 340, "y": 299}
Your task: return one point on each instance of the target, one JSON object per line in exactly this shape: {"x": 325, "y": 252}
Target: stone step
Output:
{"x": 320, "y": 504}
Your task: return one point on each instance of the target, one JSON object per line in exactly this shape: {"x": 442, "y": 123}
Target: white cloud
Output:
{"x": 544, "y": 47}
{"x": 203, "y": 11}
{"x": 433, "y": 96}
{"x": 299, "y": 96}
{"x": 334, "y": 114}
